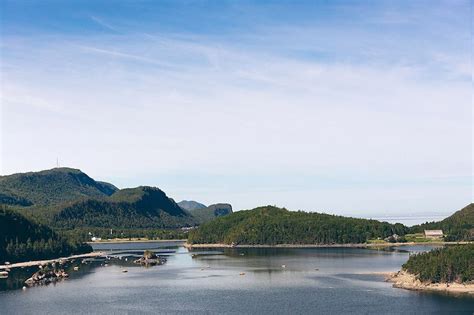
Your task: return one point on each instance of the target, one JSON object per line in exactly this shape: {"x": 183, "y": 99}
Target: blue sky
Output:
{"x": 352, "y": 107}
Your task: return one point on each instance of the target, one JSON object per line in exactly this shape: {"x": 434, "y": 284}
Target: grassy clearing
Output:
{"x": 420, "y": 238}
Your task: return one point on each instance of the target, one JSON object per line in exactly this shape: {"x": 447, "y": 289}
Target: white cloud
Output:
{"x": 133, "y": 107}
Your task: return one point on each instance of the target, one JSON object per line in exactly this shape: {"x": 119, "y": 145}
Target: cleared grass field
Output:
{"x": 420, "y": 238}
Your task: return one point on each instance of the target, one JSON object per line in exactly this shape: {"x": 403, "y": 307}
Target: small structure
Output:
{"x": 434, "y": 234}
{"x": 392, "y": 238}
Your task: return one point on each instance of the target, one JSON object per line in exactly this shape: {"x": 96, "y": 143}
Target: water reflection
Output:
{"x": 235, "y": 280}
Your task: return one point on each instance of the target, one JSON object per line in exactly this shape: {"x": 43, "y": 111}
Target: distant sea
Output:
{"x": 411, "y": 220}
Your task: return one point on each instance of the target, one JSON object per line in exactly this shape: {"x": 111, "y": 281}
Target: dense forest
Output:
{"x": 272, "y": 225}
{"x": 67, "y": 199}
{"x": 73, "y": 203}
{"x": 85, "y": 234}
{"x": 51, "y": 187}
{"x": 211, "y": 212}
{"x": 142, "y": 207}
{"x": 457, "y": 227}
{"x": 22, "y": 239}
{"x": 449, "y": 264}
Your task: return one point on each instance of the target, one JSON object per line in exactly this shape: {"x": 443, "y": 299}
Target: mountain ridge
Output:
{"x": 140, "y": 207}
{"x": 191, "y": 205}
{"x": 51, "y": 187}
{"x": 67, "y": 198}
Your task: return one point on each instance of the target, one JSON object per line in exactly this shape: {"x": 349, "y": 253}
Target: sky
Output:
{"x": 358, "y": 108}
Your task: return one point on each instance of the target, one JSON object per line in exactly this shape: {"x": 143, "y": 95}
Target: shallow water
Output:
{"x": 317, "y": 280}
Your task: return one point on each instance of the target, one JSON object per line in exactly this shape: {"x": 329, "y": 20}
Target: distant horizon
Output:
{"x": 359, "y": 108}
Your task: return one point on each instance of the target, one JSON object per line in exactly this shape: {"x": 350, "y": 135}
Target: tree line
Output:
{"x": 22, "y": 240}
{"x": 272, "y": 225}
{"x": 443, "y": 265}
{"x": 457, "y": 227}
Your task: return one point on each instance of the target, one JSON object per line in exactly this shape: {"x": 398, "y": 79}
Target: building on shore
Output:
{"x": 434, "y": 234}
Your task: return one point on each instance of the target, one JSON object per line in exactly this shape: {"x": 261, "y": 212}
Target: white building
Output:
{"x": 433, "y": 233}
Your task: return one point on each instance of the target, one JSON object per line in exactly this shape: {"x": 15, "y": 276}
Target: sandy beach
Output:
{"x": 405, "y": 280}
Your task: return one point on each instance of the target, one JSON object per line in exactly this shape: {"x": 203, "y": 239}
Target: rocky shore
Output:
{"x": 50, "y": 261}
{"x": 150, "y": 259}
{"x": 46, "y": 276}
{"x": 134, "y": 240}
{"x": 405, "y": 280}
{"x": 361, "y": 245}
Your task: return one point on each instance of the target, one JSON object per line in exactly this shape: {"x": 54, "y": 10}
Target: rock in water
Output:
{"x": 46, "y": 276}
{"x": 150, "y": 258}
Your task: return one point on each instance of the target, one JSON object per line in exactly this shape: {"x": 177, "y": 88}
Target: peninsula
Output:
{"x": 449, "y": 269}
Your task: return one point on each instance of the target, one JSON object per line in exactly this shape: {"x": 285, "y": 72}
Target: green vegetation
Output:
{"x": 377, "y": 241}
{"x": 271, "y": 225}
{"x": 50, "y": 187}
{"x": 68, "y": 199}
{"x": 22, "y": 239}
{"x": 74, "y": 204}
{"x": 142, "y": 207}
{"x": 449, "y": 264}
{"x": 207, "y": 214}
{"x": 419, "y": 238}
{"x": 458, "y": 227}
{"x": 82, "y": 234}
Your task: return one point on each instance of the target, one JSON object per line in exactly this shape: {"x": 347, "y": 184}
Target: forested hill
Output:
{"x": 457, "y": 227}
{"x": 141, "y": 207}
{"x": 272, "y": 225}
{"x": 204, "y": 213}
{"x": 448, "y": 264}
{"x": 211, "y": 212}
{"x": 50, "y": 187}
{"x": 22, "y": 239}
{"x": 67, "y": 198}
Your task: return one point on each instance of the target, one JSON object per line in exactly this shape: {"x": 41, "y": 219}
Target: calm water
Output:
{"x": 315, "y": 281}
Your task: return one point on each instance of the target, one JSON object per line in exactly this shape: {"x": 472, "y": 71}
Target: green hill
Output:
{"x": 272, "y": 225}
{"x": 67, "y": 198}
{"x": 141, "y": 207}
{"x": 50, "y": 187}
{"x": 457, "y": 227}
{"x": 207, "y": 214}
{"x": 448, "y": 264}
{"x": 22, "y": 239}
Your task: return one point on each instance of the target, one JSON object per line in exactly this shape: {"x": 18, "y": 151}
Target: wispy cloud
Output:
{"x": 113, "y": 53}
{"x": 104, "y": 24}
{"x": 283, "y": 113}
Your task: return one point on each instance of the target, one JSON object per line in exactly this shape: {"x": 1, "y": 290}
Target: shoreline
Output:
{"x": 92, "y": 254}
{"x": 124, "y": 241}
{"x": 361, "y": 245}
{"x": 50, "y": 261}
{"x": 408, "y": 281}
{"x": 192, "y": 246}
